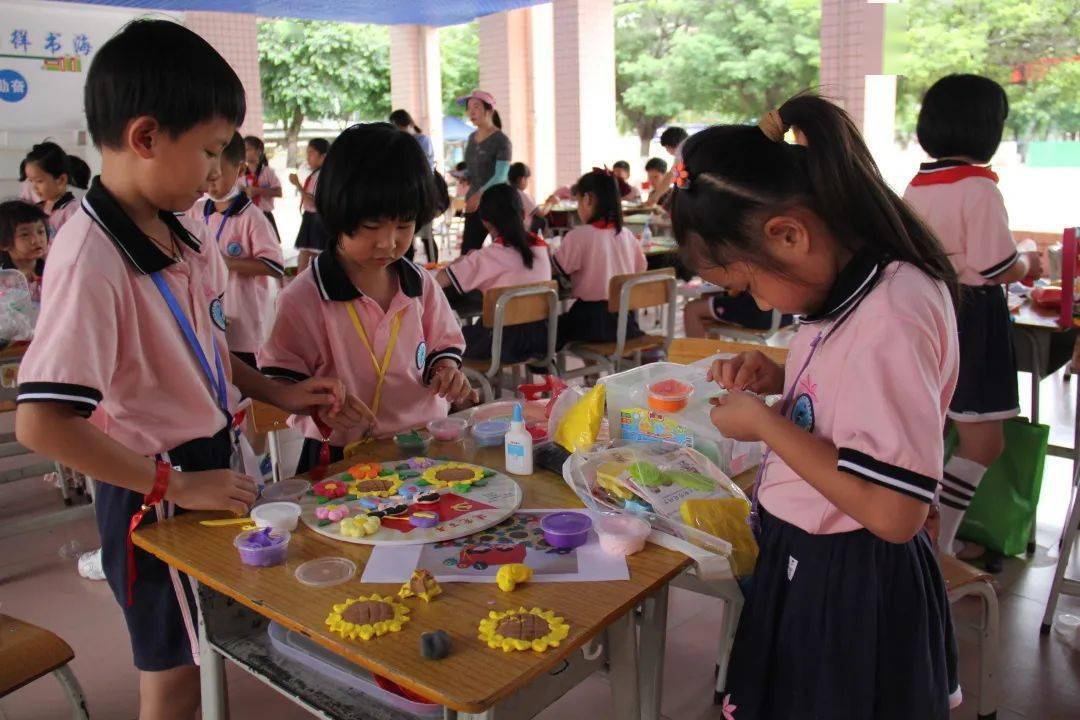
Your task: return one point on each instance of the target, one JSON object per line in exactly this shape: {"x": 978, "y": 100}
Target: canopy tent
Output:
{"x": 455, "y": 129}
{"x": 381, "y": 12}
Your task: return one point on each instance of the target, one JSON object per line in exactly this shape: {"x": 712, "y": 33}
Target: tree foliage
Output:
{"x": 317, "y": 69}
{"x": 459, "y": 46}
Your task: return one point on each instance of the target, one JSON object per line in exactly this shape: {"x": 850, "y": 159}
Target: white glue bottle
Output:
{"x": 519, "y": 446}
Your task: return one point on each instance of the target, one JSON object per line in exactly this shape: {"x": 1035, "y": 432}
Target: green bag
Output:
{"x": 1003, "y": 509}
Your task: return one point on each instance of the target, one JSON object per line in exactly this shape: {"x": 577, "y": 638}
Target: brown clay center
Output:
{"x": 523, "y": 627}
{"x": 376, "y": 485}
{"x": 367, "y": 612}
{"x": 419, "y": 584}
{"x": 454, "y": 475}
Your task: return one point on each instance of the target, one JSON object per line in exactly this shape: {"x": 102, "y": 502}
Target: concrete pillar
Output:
{"x": 416, "y": 80}
{"x": 543, "y": 80}
{"x": 852, "y": 56}
{"x": 235, "y": 36}
{"x": 584, "y": 33}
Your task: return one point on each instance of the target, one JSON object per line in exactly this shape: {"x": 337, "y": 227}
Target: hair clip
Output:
{"x": 681, "y": 176}
{"x": 773, "y": 126}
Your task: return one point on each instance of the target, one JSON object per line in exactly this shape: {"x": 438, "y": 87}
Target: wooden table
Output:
{"x": 474, "y": 681}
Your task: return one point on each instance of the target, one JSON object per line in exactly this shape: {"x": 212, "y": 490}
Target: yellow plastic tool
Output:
{"x": 245, "y": 521}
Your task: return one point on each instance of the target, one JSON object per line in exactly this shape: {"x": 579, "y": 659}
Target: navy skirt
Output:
{"x": 312, "y": 234}
{"x": 986, "y": 386}
{"x": 520, "y": 342}
{"x": 843, "y": 627}
{"x": 590, "y": 321}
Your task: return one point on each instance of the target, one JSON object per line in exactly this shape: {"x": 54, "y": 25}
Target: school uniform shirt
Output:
{"x": 313, "y": 336}
{"x": 65, "y": 206}
{"x": 877, "y": 387}
{"x": 498, "y": 265}
{"x": 265, "y": 177}
{"x": 106, "y": 340}
{"x": 243, "y": 232}
{"x": 528, "y": 206}
{"x": 632, "y": 195}
{"x": 963, "y": 206}
{"x": 310, "y": 183}
{"x": 590, "y": 255}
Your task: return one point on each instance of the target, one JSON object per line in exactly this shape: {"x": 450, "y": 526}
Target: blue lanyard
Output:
{"x": 217, "y": 385}
{"x": 208, "y": 211}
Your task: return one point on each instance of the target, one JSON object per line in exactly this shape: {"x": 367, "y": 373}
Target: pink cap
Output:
{"x": 481, "y": 95}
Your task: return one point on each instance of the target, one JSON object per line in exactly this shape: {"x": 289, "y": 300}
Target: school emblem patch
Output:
{"x": 421, "y": 355}
{"x": 803, "y": 412}
{"x": 234, "y": 249}
{"x": 217, "y": 313}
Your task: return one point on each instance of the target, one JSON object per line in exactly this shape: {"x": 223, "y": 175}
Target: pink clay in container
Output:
{"x": 622, "y": 534}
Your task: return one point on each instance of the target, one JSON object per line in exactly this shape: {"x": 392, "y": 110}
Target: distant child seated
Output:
{"x": 251, "y": 250}
{"x": 23, "y": 241}
{"x": 621, "y": 171}
{"x": 535, "y": 215}
{"x": 656, "y": 169}
{"x": 515, "y": 257}
{"x": 364, "y": 313}
{"x": 738, "y": 309}
{"x": 48, "y": 170}
{"x": 590, "y": 255}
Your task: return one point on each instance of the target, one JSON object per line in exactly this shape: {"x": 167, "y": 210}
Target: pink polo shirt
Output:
{"x": 266, "y": 178}
{"x": 877, "y": 387}
{"x": 106, "y": 341}
{"x": 313, "y": 336}
{"x": 62, "y": 210}
{"x": 497, "y": 265}
{"x": 242, "y": 231}
{"x": 963, "y": 206}
{"x": 528, "y": 206}
{"x": 590, "y": 256}
{"x": 310, "y": 183}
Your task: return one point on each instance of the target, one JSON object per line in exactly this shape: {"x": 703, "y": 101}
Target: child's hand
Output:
{"x": 741, "y": 416}
{"x": 295, "y": 180}
{"x": 212, "y": 490}
{"x": 748, "y": 371}
{"x": 1035, "y": 267}
{"x": 304, "y": 397}
{"x": 353, "y": 415}
{"x": 449, "y": 382}
{"x": 251, "y": 190}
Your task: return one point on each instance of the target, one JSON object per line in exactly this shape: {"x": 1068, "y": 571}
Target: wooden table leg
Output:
{"x": 622, "y": 654}
{"x": 652, "y": 643}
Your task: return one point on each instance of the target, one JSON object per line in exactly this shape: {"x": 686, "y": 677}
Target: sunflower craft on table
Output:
{"x": 451, "y": 474}
{"x": 367, "y": 616}
{"x": 378, "y": 486}
{"x": 523, "y": 629}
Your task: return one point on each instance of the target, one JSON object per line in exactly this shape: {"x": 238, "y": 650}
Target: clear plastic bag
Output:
{"x": 17, "y": 311}
{"x": 674, "y": 488}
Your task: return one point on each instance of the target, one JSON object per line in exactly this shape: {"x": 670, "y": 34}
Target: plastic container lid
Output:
{"x": 287, "y": 490}
{"x": 671, "y": 389}
{"x": 622, "y": 534}
{"x": 326, "y": 572}
{"x": 278, "y": 515}
{"x": 566, "y": 523}
{"x": 447, "y": 429}
{"x": 490, "y": 432}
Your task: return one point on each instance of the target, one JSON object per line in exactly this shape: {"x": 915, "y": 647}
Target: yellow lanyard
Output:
{"x": 380, "y": 369}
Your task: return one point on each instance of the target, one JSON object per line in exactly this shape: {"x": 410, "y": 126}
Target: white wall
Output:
{"x": 53, "y": 104}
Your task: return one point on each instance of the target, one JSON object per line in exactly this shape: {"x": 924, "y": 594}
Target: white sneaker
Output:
{"x": 90, "y": 565}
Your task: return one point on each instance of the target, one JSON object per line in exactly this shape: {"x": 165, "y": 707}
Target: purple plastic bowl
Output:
{"x": 261, "y": 548}
{"x": 566, "y": 529}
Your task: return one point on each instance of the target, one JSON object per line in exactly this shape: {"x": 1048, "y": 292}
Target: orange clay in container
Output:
{"x": 669, "y": 395}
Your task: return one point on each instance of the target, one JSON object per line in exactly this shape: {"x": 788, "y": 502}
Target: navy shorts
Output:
{"x": 986, "y": 387}
{"x": 162, "y": 621}
{"x": 844, "y": 626}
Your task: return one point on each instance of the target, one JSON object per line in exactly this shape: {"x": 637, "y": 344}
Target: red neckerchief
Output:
{"x": 252, "y": 178}
{"x": 534, "y": 241}
{"x": 948, "y": 176}
{"x": 603, "y": 225}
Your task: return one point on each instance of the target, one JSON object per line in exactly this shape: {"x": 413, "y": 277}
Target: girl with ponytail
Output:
{"x": 48, "y": 168}
{"x": 846, "y": 612}
{"x": 259, "y": 181}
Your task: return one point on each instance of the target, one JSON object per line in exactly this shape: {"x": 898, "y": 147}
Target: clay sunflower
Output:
{"x": 449, "y": 474}
{"x": 364, "y": 471}
{"x": 331, "y": 489}
{"x": 376, "y": 486}
{"x": 523, "y": 629}
{"x": 367, "y": 616}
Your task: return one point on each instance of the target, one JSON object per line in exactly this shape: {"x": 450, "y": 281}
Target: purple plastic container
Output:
{"x": 566, "y": 529}
{"x": 263, "y": 547}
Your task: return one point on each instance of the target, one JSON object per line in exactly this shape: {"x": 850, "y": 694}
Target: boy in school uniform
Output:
{"x": 251, "y": 251}
{"x": 133, "y": 329}
{"x": 365, "y": 313}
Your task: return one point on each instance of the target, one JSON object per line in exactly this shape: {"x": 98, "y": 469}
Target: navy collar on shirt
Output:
{"x": 6, "y": 263}
{"x": 334, "y": 284}
{"x": 61, "y": 201}
{"x": 852, "y": 284}
{"x": 143, "y": 254}
{"x": 238, "y": 205}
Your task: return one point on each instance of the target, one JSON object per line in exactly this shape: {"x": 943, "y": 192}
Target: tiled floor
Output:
{"x": 1039, "y": 676}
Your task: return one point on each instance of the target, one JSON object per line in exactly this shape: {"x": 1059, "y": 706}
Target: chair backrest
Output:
{"x": 644, "y": 293}
{"x": 529, "y": 304}
{"x": 267, "y": 418}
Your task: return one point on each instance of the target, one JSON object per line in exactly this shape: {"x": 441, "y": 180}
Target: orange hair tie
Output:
{"x": 773, "y": 126}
